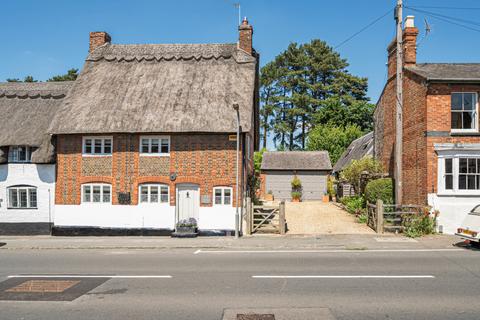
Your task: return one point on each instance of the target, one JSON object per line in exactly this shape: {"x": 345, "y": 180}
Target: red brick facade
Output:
{"x": 207, "y": 160}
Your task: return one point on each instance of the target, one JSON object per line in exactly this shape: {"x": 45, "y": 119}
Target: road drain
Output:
{"x": 255, "y": 317}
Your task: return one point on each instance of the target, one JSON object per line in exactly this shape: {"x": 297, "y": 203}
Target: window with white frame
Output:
{"x": 461, "y": 174}
{"x": 20, "y": 154}
{"x": 464, "y": 111}
{"x": 154, "y": 193}
{"x": 222, "y": 196}
{"x": 97, "y": 146}
{"x": 155, "y": 145}
{"x": 22, "y": 197}
{"x": 96, "y": 193}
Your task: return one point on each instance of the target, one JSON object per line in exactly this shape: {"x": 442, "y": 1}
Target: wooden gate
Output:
{"x": 266, "y": 219}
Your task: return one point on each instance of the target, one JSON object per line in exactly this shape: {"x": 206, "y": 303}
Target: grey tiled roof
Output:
{"x": 447, "y": 71}
{"x": 296, "y": 160}
{"x": 359, "y": 148}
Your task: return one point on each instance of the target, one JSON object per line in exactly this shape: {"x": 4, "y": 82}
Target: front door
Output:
{"x": 187, "y": 201}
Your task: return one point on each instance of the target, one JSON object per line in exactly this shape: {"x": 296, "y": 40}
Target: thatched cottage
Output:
{"x": 27, "y": 158}
{"x": 147, "y": 136}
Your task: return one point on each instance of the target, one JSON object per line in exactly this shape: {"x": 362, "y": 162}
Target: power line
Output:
{"x": 363, "y": 29}
{"x": 446, "y": 8}
{"x": 448, "y": 19}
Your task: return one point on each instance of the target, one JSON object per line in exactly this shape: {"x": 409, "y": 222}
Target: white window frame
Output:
{"x": 154, "y": 154}
{"x": 91, "y": 185}
{"x": 475, "y": 120}
{"x": 223, "y": 196}
{"x": 92, "y": 153}
{"x": 13, "y": 154}
{"x": 149, "y": 194}
{"x": 18, "y": 188}
{"x": 456, "y": 191}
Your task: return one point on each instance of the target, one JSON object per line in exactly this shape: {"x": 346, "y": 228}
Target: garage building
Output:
{"x": 311, "y": 167}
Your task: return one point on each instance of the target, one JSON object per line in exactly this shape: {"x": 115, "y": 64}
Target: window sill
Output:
{"x": 86, "y": 155}
{"x": 464, "y": 133}
{"x": 474, "y": 193}
{"x": 160, "y": 155}
{"x": 11, "y": 208}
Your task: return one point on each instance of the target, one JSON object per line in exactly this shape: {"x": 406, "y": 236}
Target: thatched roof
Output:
{"x": 358, "y": 149}
{"x": 448, "y": 72}
{"x": 296, "y": 160}
{"x": 27, "y": 110}
{"x": 160, "y": 88}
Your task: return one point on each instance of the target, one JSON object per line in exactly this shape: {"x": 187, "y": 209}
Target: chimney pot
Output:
{"x": 410, "y": 22}
{"x": 245, "y": 33}
{"x": 97, "y": 39}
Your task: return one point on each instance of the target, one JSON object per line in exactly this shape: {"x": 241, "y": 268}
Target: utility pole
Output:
{"x": 399, "y": 106}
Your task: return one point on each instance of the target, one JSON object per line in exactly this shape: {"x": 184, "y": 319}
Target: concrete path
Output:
{"x": 321, "y": 218}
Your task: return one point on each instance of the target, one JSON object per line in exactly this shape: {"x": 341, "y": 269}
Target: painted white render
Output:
{"x": 150, "y": 216}
{"x": 453, "y": 210}
{"x": 41, "y": 176}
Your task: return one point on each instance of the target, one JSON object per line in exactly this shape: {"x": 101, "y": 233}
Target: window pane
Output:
{"x": 227, "y": 196}
{"x": 462, "y": 182}
{"x": 218, "y": 196}
{"x": 144, "y": 147}
{"x": 22, "y": 154}
{"x": 471, "y": 182}
{"x": 33, "y": 197}
{"x": 468, "y": 120}
{"x": 472, "y": 166}
{"x": 88, "y": 146}
{"x": 143, "y": 194}
{"x": 96, "y": 194}
{"x": 23, "y": 198}
{"x": 448, "y": 166}
{"x": 165, "y": 146}
{"x": 154, "y": 194}
{"x": 456, "y": 120}
{"x": 456, "y": 101}
{"x": 468, "y": 101}
{"x": 106, "y": 194}
{"x": 155, "y": 147}
{"x": 29, "y": 153}
{"x": 164, "y": 194}
{"x": 13, "y": 198}
{"x": 98, "y": 146}
{"x": 463, "y": 165}
{"x": 87, "y": 196}
{"x": 449, "y": 182}
{"x": 107, "y": 146}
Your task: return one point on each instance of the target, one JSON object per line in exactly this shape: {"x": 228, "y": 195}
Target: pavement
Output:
{"x": 329, "y": 277}
{"x": 314, "y": 217}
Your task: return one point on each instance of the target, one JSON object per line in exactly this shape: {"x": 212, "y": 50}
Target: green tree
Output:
{"x": 334, "y": 139}
{"x": 358, "y": 113}
{"x": 13, "y": 80}
{"x": 71, "y": 75}
{"x": 268, "y": 94}
{"x": 353, "y": 172}
{"x": 29, "y": 79}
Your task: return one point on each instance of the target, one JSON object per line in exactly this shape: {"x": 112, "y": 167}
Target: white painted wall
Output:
{"x": 453, "y": 209}
{"x": 41, "y": 176}
{"x": 155, "y": 216}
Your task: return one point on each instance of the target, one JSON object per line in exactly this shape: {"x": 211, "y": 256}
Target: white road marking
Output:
{"x": 326, "y": 251}
{"x": 90, "y": 276}
{"x": 345, "y": 277}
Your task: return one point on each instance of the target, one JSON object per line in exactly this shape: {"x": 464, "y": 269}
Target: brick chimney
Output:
{"x": 97, "y": 39}
{"x": 409, "y": 36}
{"x": 245, "y": 32}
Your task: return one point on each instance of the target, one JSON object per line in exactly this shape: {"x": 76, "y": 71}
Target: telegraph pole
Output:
{"x": 399, "y": 106}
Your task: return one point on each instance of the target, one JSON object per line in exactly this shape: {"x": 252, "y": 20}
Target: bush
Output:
{"x": 354, "y": 205}
{"x": 380, "y": 189}
{"x": 353, "y": 172}
{"x": 417, "y": 225}
{"x": 330, "y": 188}
{"x": 296, "y": 195}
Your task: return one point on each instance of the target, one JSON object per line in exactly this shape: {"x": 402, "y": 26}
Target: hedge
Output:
{"x": 380, "y": 189}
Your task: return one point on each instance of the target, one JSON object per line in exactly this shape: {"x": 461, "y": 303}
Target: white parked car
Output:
{"x": 470, "y": 227}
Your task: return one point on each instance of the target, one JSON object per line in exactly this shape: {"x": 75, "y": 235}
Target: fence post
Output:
{"x": 249, "y": 216}
{"x": 379, "y": 216}
{"x": 282, "y": 218}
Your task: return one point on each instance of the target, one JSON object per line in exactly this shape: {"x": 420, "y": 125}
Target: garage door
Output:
{"x": 314, "y": 184}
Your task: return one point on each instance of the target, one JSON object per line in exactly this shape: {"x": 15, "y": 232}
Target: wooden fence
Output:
{"x": 265, "y": 219}
{"x": 389, "y": 217}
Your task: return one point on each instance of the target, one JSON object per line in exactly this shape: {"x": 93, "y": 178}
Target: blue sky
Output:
{"x": 45, "y": 38}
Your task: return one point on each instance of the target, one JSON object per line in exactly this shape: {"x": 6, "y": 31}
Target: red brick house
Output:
{"x": 147, "y": 136}
{"x": 441, "y": 136}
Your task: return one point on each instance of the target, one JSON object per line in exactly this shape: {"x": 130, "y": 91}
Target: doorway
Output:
{"x": 188, "y": 200}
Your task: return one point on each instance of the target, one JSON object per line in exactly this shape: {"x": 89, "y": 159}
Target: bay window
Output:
{"x": 460, "y": 174}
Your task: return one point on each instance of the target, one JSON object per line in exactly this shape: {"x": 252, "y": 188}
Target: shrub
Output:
{"x": 296, "y": 195}
{"x": 381, "y": 189}
{"x": 354, "y": 205}
{"x": 362, "y": 218}
{"x": 330, "y": 188}
{"x": 296, "y": 184}
{"x": 353, "y": 172}
{"x": 417, "y": 225}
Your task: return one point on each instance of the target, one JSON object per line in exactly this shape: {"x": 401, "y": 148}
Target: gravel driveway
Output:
{"x": 321, "y": 218}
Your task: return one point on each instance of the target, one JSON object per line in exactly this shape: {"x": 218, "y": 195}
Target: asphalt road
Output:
{"x": 398, "y": 284}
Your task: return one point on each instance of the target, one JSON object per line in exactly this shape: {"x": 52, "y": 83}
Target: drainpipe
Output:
{"x": 237, "y": 215}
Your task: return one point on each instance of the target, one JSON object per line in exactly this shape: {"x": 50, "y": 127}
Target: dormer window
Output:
{"x": 20, "y": 154}
{"x": 464, "y": 111}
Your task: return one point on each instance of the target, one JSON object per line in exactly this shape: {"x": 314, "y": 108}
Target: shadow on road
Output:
{"x": 2, "y": 244}
{"x": 474, "y": 246}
